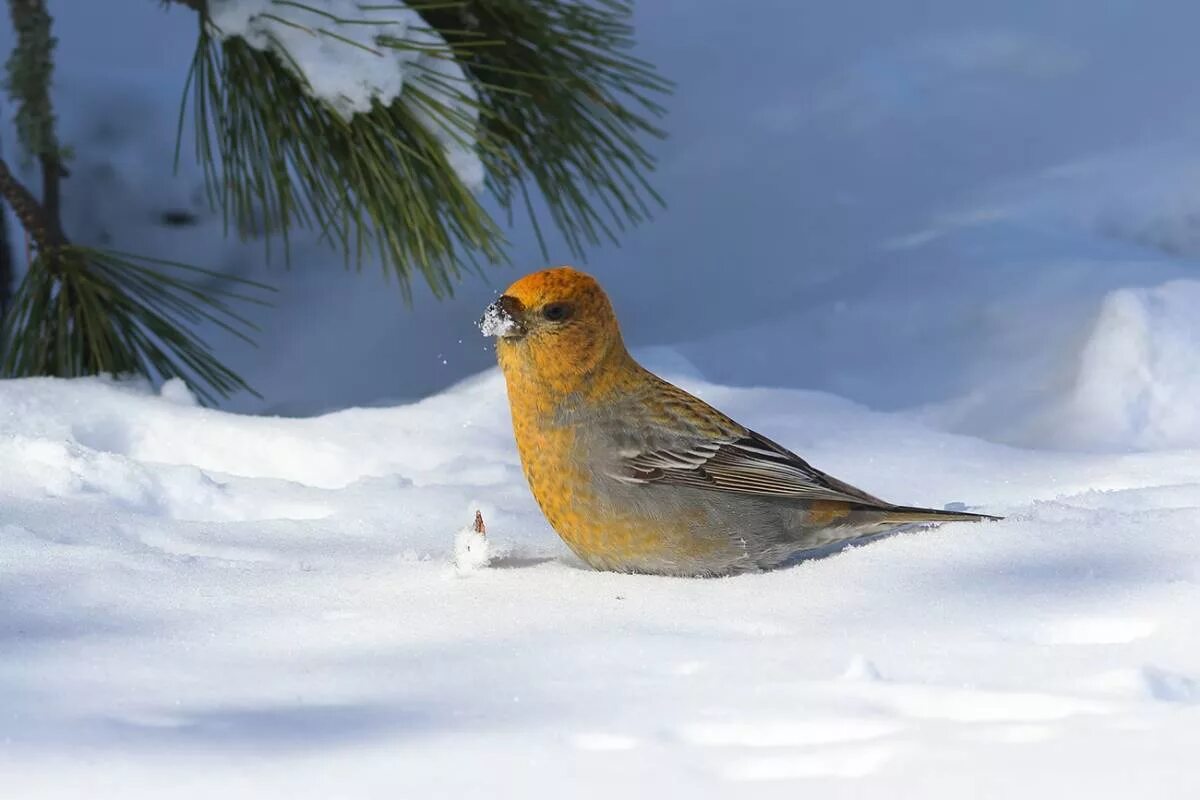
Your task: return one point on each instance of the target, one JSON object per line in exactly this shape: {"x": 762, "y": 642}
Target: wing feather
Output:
{"x": 748, "y": 464}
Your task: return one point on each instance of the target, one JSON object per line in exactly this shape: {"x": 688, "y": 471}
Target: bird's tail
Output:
{"x": 907, "y": 515}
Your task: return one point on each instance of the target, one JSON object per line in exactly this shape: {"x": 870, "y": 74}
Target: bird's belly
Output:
{"x": 630, "y": 543}
{"x": 622, "y": 537}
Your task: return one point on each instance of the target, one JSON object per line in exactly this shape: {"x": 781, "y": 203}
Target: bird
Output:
{"x": 635, "y": 474}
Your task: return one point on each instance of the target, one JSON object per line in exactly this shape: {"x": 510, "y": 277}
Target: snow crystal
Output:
{"x": 495, "y": 322}
{"x": 471, "y": 550}
{"x": 336, "y": 47}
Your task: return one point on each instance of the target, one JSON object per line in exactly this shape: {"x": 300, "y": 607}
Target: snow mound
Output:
{"x": 1123, "y": 377}
{"x": 1138, "y": 379}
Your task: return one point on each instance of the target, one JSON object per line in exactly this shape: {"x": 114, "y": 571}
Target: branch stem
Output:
{"x": 34, "y": 217}
{"x": 7, "y": 273}
{"x": 30, "y": 69}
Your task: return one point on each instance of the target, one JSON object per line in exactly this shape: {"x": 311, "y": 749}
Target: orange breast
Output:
{"x": 601, "y": 533}
{"x": 563, "y": 488}
{"x": 598, "y": 522}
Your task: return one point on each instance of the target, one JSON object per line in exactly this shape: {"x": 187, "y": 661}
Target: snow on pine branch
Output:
{"x": 350, "y": 56}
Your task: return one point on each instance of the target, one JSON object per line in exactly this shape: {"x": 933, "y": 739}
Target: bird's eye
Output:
{"x": 556, "y": 312}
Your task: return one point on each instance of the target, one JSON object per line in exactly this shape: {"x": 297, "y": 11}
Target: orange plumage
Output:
{"x": 637, "y": 475}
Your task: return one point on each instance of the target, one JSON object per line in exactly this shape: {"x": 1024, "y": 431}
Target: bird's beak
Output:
{"x": 503, "y": 318}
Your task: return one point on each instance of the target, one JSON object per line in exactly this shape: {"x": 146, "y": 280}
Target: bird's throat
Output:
{"x": 547, "y": 383}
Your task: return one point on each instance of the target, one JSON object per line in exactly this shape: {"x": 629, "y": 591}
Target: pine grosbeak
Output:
{"x": 637, "y": 475}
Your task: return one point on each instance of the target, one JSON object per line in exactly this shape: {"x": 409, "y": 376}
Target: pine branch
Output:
{"x": 86, "y": 311}
{"x": 53, "y": 172}
{"x": 103, "y": 312}
{"x": 572, "y": 108}
{"x": 44, "y": 229}
{"x": 562, "y": 108}
{"x": 378, "y": 184}
{"x": 29, "y": 69}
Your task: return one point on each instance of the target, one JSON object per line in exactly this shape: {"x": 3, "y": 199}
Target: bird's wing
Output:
{"x": 745, "y": 462}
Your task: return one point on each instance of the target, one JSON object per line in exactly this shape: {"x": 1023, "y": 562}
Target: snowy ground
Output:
{"x": 200, "y": 604}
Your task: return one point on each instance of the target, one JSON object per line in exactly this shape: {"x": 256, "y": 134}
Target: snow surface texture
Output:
{"x": 199, "y": 604}
{"x": 335, "y": 47}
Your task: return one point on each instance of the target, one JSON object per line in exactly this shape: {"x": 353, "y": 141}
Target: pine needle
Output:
{"x": 561, "y": 106}
{"x": 85, "y": 311}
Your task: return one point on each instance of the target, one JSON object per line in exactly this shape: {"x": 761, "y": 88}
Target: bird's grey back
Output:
{"x": 739, "y": 532}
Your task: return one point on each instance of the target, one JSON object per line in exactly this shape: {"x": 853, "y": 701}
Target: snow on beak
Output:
{"x": 502, "y": 318}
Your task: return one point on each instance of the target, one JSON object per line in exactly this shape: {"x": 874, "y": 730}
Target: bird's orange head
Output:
{"x": 556, "y": 328}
